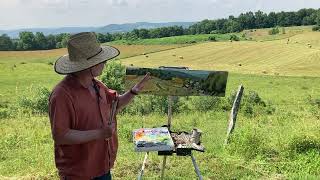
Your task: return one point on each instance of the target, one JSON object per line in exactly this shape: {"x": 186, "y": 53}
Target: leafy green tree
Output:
{"x": 27, "y": 41}
{"x": 51, "y": 41}
{"x": 62, "y": 39}
{"x": 260, "y": 19}
{"x": 272, "y": 19}
{"x": 40, "y": 41}
{"x": 6, "y": 43}
{"x": 232, "y": 26}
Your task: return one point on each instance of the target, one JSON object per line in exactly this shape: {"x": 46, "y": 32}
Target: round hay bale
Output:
{"x": 180, "y": 57}
{"x": 264, "y": 72}
{"x": 146, "y": 56}
{"x": 131, "y": 64}
{"x": 239, "y": 64}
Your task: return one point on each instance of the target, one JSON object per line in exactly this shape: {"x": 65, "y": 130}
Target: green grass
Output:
{"x": 279, "y": 145}
{"x": 185, "y": 39}
{"x": 26, "y": 145}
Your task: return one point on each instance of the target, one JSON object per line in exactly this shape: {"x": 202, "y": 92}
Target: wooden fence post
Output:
{"x": 234, "y": 113}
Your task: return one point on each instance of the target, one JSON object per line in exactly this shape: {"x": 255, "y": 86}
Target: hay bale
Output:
{"x": 144, "y": 53}
{"x": 146, "y": 56}
{"x": 264, "y": 72}
{"x": 239, "y": 64}
{"x": 180, "y": 57}
{"x": 173, "y": 55}
{"x": 131, "y": 64}
{"x": 310, "y": 46}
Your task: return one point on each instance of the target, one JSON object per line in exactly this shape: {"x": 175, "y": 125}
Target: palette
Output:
{"x": 152, "y": 139}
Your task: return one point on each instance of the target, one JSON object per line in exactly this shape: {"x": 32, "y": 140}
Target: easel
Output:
{"x": 170, "y": 103}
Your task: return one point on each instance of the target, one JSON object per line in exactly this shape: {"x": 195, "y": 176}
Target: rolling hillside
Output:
{"x": 249, "y": 57}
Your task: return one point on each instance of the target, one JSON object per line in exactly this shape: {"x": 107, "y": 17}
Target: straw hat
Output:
{"x": 84, "y": 52}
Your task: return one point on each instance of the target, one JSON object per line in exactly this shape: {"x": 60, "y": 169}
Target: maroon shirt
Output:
{"x": 72, "y": 106}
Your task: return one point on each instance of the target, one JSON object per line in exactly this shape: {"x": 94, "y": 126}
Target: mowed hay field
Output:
{"x": 248, "y": 57}
{"x": 279, "y": 141}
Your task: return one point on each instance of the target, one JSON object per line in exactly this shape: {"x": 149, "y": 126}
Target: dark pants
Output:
{"x": 106, "y": 176}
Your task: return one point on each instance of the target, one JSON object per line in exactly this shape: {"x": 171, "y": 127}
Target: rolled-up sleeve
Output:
{"x": 61, "y": 113}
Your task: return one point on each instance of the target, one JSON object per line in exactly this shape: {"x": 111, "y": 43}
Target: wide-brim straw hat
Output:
{"x": 84, "y": 51}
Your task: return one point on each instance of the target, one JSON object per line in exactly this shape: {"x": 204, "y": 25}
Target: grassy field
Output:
{"x": 186, "y": 39}
{"x": 279, "y": 141}
{"x": 263, "y": 34}
{"x": 249, "y": 57}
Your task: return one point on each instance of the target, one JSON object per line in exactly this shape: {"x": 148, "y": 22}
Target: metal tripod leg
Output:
{"x": 143, "y": 166}
{"x": 196, "y": 168}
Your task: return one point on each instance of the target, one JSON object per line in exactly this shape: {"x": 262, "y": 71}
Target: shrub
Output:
{"x": 113, "y": 76}
{"x": 316, "y": 28}
{"x": 274, "y": 31}
{"x": 143, "y": 105}
{"x": 251, "y": 104}
{"x": 212, "y": 38}
{"x": 4, "y": 113}
{"x": 37, "y": 102}
{"x": 234, "y": 37}
{"x": 304, "y": 143}
{"x": 198, "y": 103}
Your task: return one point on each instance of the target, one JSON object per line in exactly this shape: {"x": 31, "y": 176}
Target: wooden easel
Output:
{"x": 196, "y": 168}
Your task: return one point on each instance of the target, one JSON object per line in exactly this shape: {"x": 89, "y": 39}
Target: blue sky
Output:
{"x": 61, "y": 13}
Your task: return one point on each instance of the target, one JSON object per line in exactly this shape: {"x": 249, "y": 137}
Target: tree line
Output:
{"x": 249, "y": 20}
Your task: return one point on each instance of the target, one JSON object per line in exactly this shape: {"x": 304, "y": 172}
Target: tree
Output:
{"x": 272, "y": 19}
{"x": 40, "y": 41}
{"x": 317, "y": 18}
{"x": 232, "y": 26}
{"x": 260, "y": 19}
{"x": 51, "y": 41}
{"x": 62, "y": 39}
{"x": 27, "y": 41}
{"x": 6, "y": 43}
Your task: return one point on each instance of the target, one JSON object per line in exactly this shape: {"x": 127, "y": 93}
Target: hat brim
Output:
{"x": 64, "y": 66}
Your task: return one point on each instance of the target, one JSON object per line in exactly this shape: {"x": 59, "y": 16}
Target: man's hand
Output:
{"x": 139, "y": 86}
{"x": 106, "y": 132}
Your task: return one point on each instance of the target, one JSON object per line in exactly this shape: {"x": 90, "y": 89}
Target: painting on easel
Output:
{"x": 179, "y": 82}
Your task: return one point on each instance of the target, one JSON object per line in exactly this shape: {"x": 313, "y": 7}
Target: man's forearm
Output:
{"x": 79, "y": 137}
{"x": 125, "y": 99}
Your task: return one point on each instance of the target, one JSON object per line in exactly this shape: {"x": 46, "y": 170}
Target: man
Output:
{"x": 82, "y": 111}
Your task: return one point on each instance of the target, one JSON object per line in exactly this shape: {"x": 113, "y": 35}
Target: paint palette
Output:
{"x": 152, "y": 139}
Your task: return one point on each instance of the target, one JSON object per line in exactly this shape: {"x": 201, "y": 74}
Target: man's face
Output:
{"x": 97, "y": 69}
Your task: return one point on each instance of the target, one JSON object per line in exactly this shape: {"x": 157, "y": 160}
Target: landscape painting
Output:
{"x": 179, "y": 82}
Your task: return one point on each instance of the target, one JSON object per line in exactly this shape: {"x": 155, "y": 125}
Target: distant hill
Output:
{"x": 111, "y": 28}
